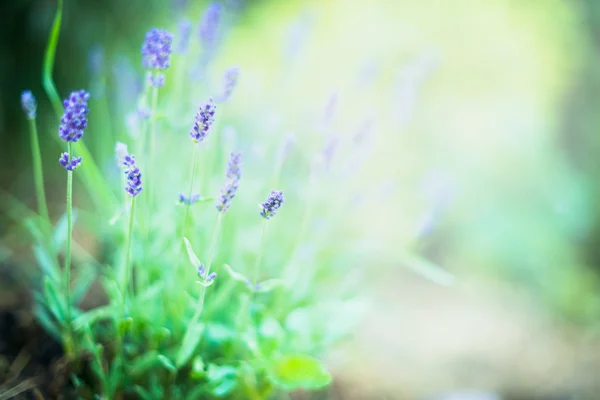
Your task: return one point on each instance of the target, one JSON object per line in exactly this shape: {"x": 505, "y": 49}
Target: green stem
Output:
{"x": 187, "y": 208}
{"x": 260, "y": 252}
{"x": 128, "y": 266}
{"x": 38, "y": 176}
{"x": 151, "y": 171}
{"x": 67, "y": 269}
{"x": 200, "y": 305}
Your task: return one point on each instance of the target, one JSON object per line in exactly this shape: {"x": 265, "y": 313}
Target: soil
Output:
{"x": 32, "y": 364}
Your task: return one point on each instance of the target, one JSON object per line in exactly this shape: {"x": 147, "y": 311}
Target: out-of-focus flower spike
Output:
{"x": 29, "y": 104}
{"x": 272, "y": 204}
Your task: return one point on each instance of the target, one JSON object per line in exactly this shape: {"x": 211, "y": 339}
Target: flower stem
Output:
{"x": 128, "y": 266}
{"x": 38, "y": 176}
{"x": 151, "y": 145}
{"x": 200, "y": 304}
{"x": 187, "y": 208}
{"x": 67, "y": 269}
{"x": 260, "y": 252}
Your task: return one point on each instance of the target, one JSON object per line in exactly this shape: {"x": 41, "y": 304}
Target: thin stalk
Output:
{"x": 128, "y": 266}
{"x": 38, "y": 176}
{"x": 260, "y": 252}
{"x": 151, "y": 145}
{"x": 200, "y": 304}
{"x": 67, "y": 269}
{"x": 187, "y": 208}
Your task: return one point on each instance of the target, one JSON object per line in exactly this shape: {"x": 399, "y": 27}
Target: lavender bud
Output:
{"x": 74, "y": 120}
{"x": 156, "y": 50}
{"x": 230, "y": 188}
{"x": 157, "y": 80}
{"x": 134, "y": 176}
{"x": 201, "y": 271}
{"x": 204, "y": 120}
{"x": 272, "y": 204}
{"x": 210, "y": 24}
{"x": 211, "y": 277}
{"x": 183, "y": 35}
{"x": 230, "y": 79}
{"x": 29, "y": 104}
{"x": 120, "y": 153}
{"x": 193, "y": 199}
{"x": 69, "y": 165}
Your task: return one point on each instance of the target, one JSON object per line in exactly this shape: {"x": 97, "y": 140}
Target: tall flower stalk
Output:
{"x": 228, "y": 192}
{"x": 30, "y": 107}
{"x": 73, "y": 123}
{"x": 156, "y": 57}
{"x": 205, "y": 118}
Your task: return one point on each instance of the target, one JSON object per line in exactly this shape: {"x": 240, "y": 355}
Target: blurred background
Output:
{"x": 477, "y": 126}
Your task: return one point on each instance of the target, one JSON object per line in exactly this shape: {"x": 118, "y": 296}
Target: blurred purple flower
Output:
{"x": 229, "y": 190}
{"x": 156, "y": 50}
{"x": 272, "y": 204}
{"x": 204, "y": 120}
{"x": 29, "y": 104}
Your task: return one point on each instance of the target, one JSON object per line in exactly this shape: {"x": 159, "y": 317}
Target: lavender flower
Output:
{"x": 29, "y": 104}
{"x": 183, "y": 35}
{"x": 234, "y": 174}
{"x": 74, "y": 119}
{"x": 70, "y": 165}
{"x": 272, "y": 204}
{"x": 203, "y": 275}
{"x": 210, "y": 24}
{"x": 156, "y": 50}
{"x": 204, "y": 119}
{"x": 120, "y": 153}
{"x": 134, "y": 176}
{"x": 193, "y": 199}
{"x": 230, "y": 79}
{"x": 157, "y": 80}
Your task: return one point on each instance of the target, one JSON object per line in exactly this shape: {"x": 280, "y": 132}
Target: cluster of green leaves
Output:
{"x": 161, "y": 339}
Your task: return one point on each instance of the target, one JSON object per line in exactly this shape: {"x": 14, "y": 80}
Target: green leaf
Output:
{"x": 189, "y": 344}
{"x": 143, "y": 393}
{"x": 46, "y": 321}
{"x": 85, "y": 278}
{"x": 299, "y": 372}
{"x": 269, "y": 284}
{"x": 52, "y": 299}
{"x": 46, "y": 263}
{"x": 143, "y": 363}
{"x": 197, "y": 371}
{"x": 427, "y": 269}
{"x": 237, "y": 276}
{"x": 91, "y": 316}
{"x": 166, "y": 363}
{"x": 125, "y": 324}
{"x": 223, "y": 379}
{"x": 191, "y": 255}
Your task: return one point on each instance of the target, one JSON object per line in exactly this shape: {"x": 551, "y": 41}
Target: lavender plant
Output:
{"x": 192, "y": 328}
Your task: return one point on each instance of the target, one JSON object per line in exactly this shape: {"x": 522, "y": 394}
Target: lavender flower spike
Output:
{"x": 156, "y": 51}
{"x": 29, "y": 104}
{"x": 210, "y": 24}
{"x": 204, "y": 120}
{"x": 230, "y": 81}
{"x": 272, "y": 204}
{"x": 74, "y": 120}
{"x": 184, "y": 30}
{"x": 134, "y": 176}
{"x": 234, "y": 174}
{"x": 70, "y": 165}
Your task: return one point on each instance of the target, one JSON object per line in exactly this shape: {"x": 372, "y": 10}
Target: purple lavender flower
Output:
{"x": 70, "y": 165}
{"x": 202, "y": 273}
{"x": 156, "y": 50}
{"x": 156, "y": 80}
{"x": 272, "y": 204}
{"x": 210, "y": 24}
{"x": 29, "y": 104}
{"x": 204, "y": 119}
{"x": 230, "y": 79}
{"x": 183, "y": 35}
{"x": 134, "y": 176}
{"x": 234, "y": 174}
{"x": 193, "y": 199}
{"x": 74, "y": 120}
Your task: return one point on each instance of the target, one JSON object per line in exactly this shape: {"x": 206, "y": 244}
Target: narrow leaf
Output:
{"x": 191, "y": 255}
